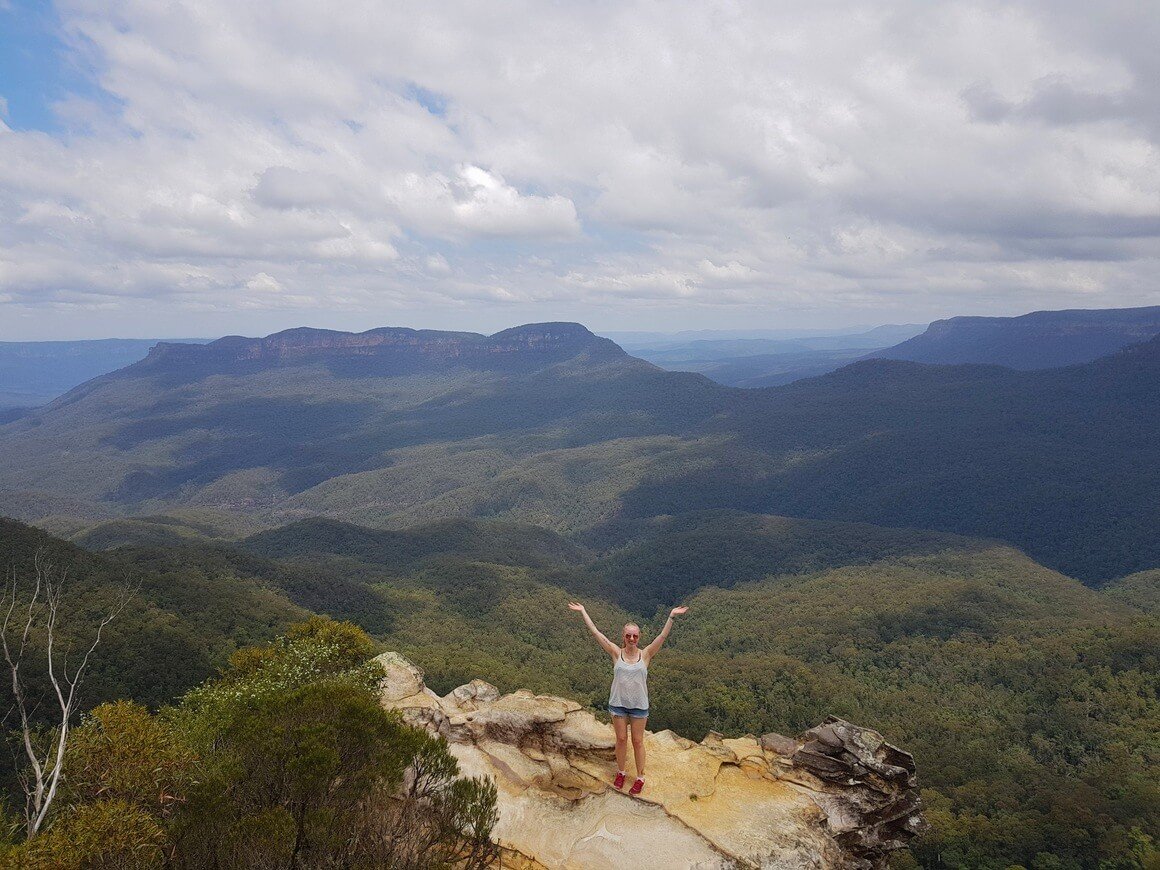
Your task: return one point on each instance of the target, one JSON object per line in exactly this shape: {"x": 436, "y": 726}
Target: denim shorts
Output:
{"x": 630, "y": 712}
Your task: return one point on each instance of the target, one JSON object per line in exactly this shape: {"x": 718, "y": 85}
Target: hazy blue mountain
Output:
{"x": 712, "y": 350}
{"x": 877, "y": 336}
{"x": 1040, "y": 340}
{"x": 740, "y": 360}
{"x": 401, "y": 418}
{"x": 389, "y": 351}
{"x": 768, "y": 370}
{"x": 549, "y": 425}
{"x": 36, "y": 372}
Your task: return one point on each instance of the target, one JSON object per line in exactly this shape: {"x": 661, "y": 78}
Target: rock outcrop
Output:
{"x": 838, "y": 796}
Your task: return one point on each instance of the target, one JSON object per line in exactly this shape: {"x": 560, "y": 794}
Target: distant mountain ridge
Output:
{"x": 311, "y": 405}
{"x": 552, "y": 426}
{"x": 764, "y": 362}
{"x": 1039, "y": 340}
{"x": 397, "y": 348}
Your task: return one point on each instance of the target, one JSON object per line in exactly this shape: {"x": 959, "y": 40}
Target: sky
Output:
{"x": 180, "y": 168}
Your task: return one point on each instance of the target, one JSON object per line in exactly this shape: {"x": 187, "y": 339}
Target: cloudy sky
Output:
{"x": 200, "y": 168}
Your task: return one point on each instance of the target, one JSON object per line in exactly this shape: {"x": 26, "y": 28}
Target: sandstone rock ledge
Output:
{"x": 838, "y": 796}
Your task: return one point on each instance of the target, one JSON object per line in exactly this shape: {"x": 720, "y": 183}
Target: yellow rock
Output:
{"x": 723, "y": 802}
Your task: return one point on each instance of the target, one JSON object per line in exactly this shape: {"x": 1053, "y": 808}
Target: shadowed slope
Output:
{"x": 245, "y": 423}
{"x": 550, "y": 425}
{"x": 1039, "y": 340}
{"x": 1064, "y": 462}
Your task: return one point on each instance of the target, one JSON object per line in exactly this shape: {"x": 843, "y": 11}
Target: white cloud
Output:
{"x": 487, "y": 205}
{"x": 263, "y": 283}
{"x": 768, "y": 158}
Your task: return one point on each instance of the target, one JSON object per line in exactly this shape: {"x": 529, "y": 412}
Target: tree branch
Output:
{"x": 40, "y": 787}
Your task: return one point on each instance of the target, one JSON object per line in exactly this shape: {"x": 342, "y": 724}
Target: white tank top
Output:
{"x": 629, "y": 683}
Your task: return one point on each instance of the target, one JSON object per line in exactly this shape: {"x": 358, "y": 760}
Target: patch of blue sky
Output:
{"x": 38, "y": 68}
{"x": 432, "y": 101}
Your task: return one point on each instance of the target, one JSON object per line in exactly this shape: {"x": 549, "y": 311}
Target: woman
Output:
{"x": 628, "y": 698}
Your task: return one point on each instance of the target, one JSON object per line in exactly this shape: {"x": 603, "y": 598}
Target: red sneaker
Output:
{"x": 637, "y": 786}
{"x": 619, "y": 781}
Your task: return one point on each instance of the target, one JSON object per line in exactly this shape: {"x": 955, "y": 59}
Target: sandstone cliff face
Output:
{"x": 390, "y": 345}
{"x": 838, "y": 796}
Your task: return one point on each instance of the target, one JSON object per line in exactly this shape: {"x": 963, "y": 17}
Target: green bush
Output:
{"x": 287, "y": 760}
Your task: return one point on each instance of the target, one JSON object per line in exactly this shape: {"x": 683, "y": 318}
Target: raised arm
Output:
{"x": 609, "y": 647}
{"x": 650, "y": 650}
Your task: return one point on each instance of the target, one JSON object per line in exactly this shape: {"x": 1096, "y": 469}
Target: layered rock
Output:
{"x": 388, "y": 348}
{"x": 838, "y": 796}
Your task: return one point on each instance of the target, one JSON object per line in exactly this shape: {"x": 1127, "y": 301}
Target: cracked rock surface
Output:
{"x": 837, "y": 796}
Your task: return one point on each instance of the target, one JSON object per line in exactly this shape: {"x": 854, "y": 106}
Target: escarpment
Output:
{"x": 385, "y": 350}
{"x": 838, "y": 796}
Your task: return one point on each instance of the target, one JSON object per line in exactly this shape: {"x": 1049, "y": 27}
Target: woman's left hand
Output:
{"x": 677, "y": 611}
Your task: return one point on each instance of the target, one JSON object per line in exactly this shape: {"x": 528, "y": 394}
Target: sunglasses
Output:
{"x": 631, "y": 636}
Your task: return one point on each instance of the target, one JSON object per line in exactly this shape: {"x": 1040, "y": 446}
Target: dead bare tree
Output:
{"x": 44, "y": 766}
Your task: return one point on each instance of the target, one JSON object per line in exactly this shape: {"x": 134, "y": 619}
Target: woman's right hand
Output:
{"x": 576, "y": 605}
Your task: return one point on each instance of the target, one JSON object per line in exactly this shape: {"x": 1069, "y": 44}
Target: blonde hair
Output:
{"x": 629, "y": 625}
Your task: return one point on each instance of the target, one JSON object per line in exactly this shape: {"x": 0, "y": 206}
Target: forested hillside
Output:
{"x": 1140, "y": 590}
{"x": 1028, "y": 700}
{"x": 184, "y": 619}
{"x": 552, "y": 426}
{"x": 844, "y": 545}
{"x": 1063, "y": 462}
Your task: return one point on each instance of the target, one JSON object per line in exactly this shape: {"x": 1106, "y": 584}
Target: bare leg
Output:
{"x": 620, "y": 726}
{"x": 637, "y": 726}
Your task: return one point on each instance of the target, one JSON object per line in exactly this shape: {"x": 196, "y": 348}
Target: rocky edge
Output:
{"x": 837, "y": 796}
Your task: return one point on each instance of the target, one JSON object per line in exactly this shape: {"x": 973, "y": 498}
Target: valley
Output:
{"x": 961, "y": 557}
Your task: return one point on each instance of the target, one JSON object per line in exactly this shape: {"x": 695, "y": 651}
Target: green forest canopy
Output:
{"x": 1029, "y": 700}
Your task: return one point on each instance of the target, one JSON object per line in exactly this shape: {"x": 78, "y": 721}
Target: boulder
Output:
{"x": 400, "y": 679}
{"x": 781, "y": 745}
{"x": 838, "y": 796}
{"x": 468, "y": 697}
